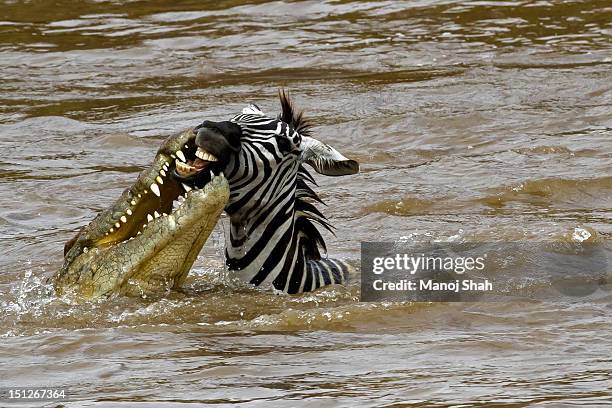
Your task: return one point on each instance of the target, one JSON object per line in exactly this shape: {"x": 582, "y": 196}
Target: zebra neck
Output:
{"x": 279, "y": 253}
{"x": 258, "y": 250}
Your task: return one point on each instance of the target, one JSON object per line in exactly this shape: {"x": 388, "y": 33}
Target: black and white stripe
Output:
{"x": 272, "y": 238}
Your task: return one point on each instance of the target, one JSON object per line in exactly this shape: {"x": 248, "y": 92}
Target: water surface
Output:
{"x": 480, "y": 120}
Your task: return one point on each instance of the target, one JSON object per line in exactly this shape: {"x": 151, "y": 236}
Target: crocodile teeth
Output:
{"x": 149, "y": 217}
{"x": 186, "y": 187}
{"x": 155, "y": 189}
{"x": 156, "y": 214}
{"x": 123, "y": 219}
{"x": 129, "y": 212}
{"x": 204, "y": 155}
{"x": 162, "y": 172}
{"x": 159, "y": 180}
{"x": 117, "y": 225}
{"x": 180, "y": 155}
{"x": 133, "y": 202}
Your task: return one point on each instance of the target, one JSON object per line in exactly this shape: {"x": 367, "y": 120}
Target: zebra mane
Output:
{"x": 305, "y": 211}
{"x": 292, "y": 116}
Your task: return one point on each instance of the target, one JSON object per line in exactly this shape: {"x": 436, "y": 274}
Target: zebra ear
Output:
{"x": 252, "y": 109}
{"x": 325, "y": 159}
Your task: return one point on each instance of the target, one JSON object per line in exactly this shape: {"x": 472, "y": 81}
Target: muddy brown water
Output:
{"x": 487, "y": 120}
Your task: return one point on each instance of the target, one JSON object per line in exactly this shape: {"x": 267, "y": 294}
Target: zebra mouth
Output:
{"x": 193, "y": 167}
{"x": 197, "y": 168}
{"x": 189, "y": 169}
{"x": 206, "y": 155}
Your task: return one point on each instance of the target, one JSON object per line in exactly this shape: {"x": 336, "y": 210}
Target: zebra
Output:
{"x": 272, "y": 238}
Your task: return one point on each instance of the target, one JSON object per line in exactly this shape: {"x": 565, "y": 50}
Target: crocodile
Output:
{"x": 144, "y": 244}
{"x": 148, "y": 240}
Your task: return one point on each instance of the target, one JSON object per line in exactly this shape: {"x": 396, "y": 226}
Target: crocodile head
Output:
{"x": 148, "y": 240}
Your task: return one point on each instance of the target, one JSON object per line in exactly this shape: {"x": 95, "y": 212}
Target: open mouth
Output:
{"x": 150, "y": 237}
{"x": 195, "y": 166}
{"x": 179, "y": 167}
{"x": 201, "y": 162}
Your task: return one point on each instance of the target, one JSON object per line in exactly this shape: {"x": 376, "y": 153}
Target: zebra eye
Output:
{"x": 284, "y": 144}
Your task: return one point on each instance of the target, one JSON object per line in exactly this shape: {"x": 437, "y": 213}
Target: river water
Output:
{"x": 472, "y": 121}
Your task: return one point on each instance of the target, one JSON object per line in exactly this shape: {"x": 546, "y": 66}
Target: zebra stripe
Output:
{"x": 272, "y": 239}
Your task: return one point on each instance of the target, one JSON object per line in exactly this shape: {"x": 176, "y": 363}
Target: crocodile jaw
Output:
{"x": 156, "y": 260}
{"x": 131, "y": 248}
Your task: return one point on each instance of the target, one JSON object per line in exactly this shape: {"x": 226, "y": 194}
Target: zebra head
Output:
{"x": 272, "y": 237}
